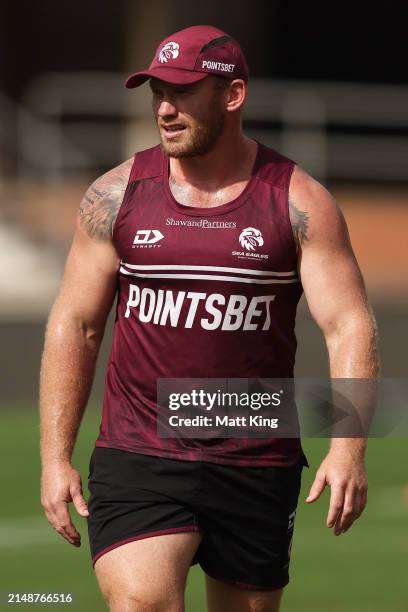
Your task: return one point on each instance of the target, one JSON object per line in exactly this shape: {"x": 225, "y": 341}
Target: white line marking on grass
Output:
{"x": 26, "y": 531}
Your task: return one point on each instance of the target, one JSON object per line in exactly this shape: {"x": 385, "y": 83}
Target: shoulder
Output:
{"x": 307, "y": 188}
{"x": 273, "y": 167}
{"x": 312, "y": 208}
{"x": 102, "y": 200}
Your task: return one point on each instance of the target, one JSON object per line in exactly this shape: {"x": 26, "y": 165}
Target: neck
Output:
{"x": 231, "y": 160}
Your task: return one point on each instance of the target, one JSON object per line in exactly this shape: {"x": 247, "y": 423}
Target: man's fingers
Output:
{"x": 317, "y": 488}
{"x": 336, "y": 504}
{"x": 354, "y": 504}
{"x": 79, "y": 501}
{"x": 61, "y": 528}
{"x": 348, "y": 512}
{"x": 64, "y": 525}
{"x": 60, "y": 485}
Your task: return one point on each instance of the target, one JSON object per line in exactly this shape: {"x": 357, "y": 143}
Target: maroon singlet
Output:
{"x": 202, "y": 293}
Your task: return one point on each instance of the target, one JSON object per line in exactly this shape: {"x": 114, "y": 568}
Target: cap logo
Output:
{"x": 213, "y": 65}
{"x": 169, "y": 51}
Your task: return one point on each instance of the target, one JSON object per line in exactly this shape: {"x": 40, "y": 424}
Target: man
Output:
{"x": 207, "y": 241}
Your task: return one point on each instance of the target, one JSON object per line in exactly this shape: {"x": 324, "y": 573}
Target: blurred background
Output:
{"x": 328, "y": 88}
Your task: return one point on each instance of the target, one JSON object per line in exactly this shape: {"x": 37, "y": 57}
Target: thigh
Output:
{"x": 223, "y": 597}
{"x": 147, "y": 575}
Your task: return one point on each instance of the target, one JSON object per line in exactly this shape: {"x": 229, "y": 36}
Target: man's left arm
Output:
{"x": 335, "y": 292}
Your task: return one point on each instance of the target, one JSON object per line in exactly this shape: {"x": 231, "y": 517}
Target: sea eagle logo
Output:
{"x": 170, "y": 50}
{"x": 250, "y": 238}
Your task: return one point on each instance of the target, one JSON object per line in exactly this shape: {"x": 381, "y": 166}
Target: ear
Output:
{"x": 236, "y": 95}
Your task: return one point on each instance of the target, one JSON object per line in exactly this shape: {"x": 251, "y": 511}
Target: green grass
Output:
{"x": 364, "y": 570}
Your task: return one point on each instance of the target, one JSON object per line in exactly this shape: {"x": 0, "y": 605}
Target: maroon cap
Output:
{"x": 191, "y": 54}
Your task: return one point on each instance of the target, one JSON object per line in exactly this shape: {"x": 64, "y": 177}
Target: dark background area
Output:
{"x": 350, "y": 41}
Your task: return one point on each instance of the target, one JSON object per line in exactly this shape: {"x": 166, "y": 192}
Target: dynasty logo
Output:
{"x": 147, "y": 239}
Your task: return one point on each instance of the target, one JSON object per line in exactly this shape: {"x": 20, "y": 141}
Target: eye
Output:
{"x": 183, "y": 92}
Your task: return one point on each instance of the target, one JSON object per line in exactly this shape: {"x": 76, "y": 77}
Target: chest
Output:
{"x": 251, "y": 234}
{"x": 188, "y": 195}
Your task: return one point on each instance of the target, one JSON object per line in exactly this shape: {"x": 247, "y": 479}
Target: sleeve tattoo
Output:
{"x": 100, "y": 205}
{"x": 300, "y": 223}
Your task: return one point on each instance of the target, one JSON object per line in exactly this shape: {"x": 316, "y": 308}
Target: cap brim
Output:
{"x": 169, "y": 75}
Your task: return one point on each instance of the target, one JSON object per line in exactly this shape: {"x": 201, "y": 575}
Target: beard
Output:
{"x": 199, "y": 136}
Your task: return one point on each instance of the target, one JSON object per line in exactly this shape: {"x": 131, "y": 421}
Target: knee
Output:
{"x": 265, "y": 602}
{"x": 139, "y": 601}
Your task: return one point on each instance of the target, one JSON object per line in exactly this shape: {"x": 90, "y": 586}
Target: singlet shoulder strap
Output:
{"x": 147, "y": 164}
{"x": 274, "y": 168}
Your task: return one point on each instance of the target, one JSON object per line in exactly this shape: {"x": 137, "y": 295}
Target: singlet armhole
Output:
{"x": 124, "y": 200}
{"x": 287, "y": 210}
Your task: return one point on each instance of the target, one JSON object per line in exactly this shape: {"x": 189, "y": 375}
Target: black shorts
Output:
{"x": 246, "y": 514}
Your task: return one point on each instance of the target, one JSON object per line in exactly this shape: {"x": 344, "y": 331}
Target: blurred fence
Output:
{"x": 74, "y": 121}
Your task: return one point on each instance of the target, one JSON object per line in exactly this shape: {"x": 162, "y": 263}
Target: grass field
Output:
{"x": 365, "y": 570}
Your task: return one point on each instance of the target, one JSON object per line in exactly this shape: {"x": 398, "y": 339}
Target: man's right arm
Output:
{"x": 74, "y": 333}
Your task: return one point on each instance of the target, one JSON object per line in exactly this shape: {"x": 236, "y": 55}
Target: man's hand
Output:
{"x": 60, "y": 485}
{"x": 345, "y": 473}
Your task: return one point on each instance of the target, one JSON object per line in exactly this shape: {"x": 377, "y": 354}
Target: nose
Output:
{"x": 166, "y": 109}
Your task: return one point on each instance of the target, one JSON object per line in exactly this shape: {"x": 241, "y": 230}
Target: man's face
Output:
{"x": 190, "y": 117}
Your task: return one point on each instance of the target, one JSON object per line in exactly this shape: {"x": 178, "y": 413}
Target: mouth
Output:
{"x": 172, "y": 131}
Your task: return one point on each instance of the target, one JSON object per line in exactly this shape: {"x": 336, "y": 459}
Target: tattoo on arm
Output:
{"x": 101, "y": 203}
{"x": 300, "y": 223}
